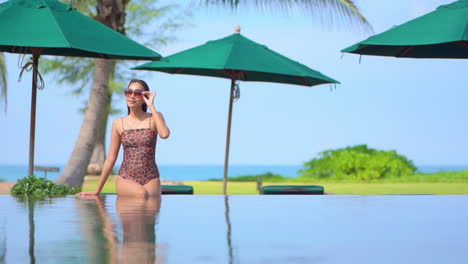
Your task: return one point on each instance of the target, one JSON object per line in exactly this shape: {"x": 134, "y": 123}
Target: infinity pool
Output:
{"x": 236, "y": 229}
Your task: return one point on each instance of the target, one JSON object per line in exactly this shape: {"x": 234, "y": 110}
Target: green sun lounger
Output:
{"x": 292, "y": 189}
{"x": 177, "y": 189}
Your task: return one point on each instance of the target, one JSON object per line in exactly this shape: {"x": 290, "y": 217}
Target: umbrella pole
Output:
{"x": 32, "y": 126}
{"x": 228, "y": 138}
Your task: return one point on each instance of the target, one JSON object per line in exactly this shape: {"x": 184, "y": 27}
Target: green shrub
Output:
{"x": 358, "y": 163}
{"x": 32, "y": 186}
{"x": 249, "y": 178}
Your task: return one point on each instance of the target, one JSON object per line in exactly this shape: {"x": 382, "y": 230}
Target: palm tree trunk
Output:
{"x": 112, "y": 14}
{"x": 99, "y": 152}
{"x": 96, "y": 164}
{"x": 74, "y": 172}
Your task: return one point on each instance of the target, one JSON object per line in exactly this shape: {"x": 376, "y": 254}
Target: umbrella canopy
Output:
{"x": 49, "y": 27}
{"x": 442, "y": 33}
{"x": 60, "y": 29}
{"x": 237, "y": 58}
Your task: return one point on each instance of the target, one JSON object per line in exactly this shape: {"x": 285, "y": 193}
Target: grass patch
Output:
{"x": 201, "y": 187}
{"x": 396, "y": 188}
{"x": 216, "y": 187}
{"x": 208, "y": 187}
{"x": 247, "y": 178}
{"x": 92, "y": 184}
{"x": 435, "y": 183}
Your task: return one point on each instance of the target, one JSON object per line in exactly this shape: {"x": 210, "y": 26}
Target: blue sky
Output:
{"x": 417, "y": 107}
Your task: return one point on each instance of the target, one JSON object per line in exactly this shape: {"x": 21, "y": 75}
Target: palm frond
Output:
{"x": 334, "y": 13}
{"x": 3, "y": 82}
{"x": 87, "y": 7}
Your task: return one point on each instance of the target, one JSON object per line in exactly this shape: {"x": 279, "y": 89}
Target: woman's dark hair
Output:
{"x": 144, "y": 107}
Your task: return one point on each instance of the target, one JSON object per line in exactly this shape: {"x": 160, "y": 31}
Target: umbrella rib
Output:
{"x": 179, "y": 70}
{"x": 462, "y": 44}
{"x": 103, "y": 56}
{"x": 302, "y": 80}
{"x": 230, "y": 75}
{"x": 58, "y": 25}
{"x": 241, "y": 75}
{"x": 406, "y": 50}
{"x": 228, "y": 59}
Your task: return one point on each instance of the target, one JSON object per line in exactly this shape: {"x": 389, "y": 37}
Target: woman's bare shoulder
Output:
{"x": 118, "y": 124}
{"x": 118, "y": 121}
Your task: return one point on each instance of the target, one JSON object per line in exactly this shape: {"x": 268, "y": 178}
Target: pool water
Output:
{"x": 236, "y": 229}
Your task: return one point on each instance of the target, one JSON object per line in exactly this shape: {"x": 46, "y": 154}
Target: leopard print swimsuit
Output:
{"x": 139, "y": 163}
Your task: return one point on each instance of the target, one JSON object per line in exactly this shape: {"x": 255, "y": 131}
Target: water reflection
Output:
{"x": 236, "y": 229}
{"x": 2, "y": 242}
{"x": 229, "y": 229}
{"x": 138, "y": 218}
{"x": 137, "y": 243}
{"x": 31, "y": 203}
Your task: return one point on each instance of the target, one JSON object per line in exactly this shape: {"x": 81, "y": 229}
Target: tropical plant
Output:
{"x": 32, "y": 186}
{"x": 3, "y": 82}
{"x": 358, "y": 163}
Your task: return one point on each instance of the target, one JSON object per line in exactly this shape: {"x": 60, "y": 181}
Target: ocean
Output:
{"x": 11, "y": 173}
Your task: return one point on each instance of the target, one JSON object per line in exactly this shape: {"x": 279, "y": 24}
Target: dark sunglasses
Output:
{"x": 136, "y": 93}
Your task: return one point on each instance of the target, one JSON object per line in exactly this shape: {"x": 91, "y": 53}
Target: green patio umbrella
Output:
{"x": 442, "y": 33}
{"x": 49, "y": 27}
{"x": 239, "y": 59}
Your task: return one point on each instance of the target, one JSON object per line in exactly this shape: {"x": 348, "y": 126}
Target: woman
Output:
{"x": 137, "y": 132}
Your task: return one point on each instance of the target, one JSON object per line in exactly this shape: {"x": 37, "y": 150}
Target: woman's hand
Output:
{"x": 149, "y": 97}
{"x": 93, "y": 193}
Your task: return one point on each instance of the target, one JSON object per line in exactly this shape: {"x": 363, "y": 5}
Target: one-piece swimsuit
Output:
{"x": 139, "y": 163}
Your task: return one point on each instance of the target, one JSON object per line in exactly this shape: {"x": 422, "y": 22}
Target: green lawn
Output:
{"x": 201, "y": 187}
{"x": 396, "y": 188}
{"x": 216, "y": 187}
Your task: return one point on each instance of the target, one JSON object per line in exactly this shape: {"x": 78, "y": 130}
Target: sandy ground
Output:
{"x": 5, "y": 187}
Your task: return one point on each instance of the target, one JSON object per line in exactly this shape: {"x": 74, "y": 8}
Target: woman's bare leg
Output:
{"x": 127, "y": 187}
{"x": 153, "y": 187}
